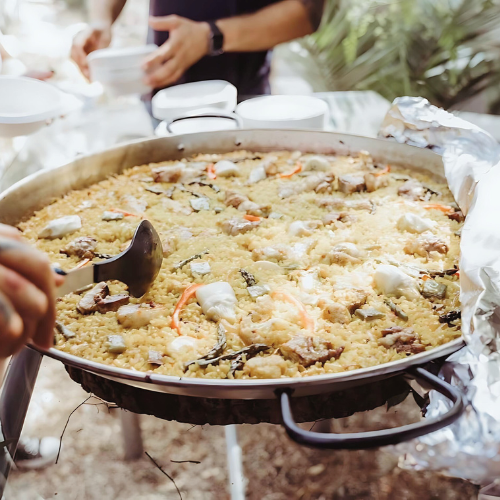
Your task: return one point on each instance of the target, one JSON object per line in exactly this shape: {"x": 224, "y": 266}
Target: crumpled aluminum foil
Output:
{"x": 469, "y": 448}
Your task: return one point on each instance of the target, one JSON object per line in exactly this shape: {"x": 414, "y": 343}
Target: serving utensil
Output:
{"x": 137, "y": 266}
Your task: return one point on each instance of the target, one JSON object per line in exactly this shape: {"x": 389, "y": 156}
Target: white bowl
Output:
{"x": 26, "y": 105}
{"x": 283, "y": 111}
{"x": 116, "y": 58}
{"x": 182, "y": 100}
{"x": 119, "y": 70}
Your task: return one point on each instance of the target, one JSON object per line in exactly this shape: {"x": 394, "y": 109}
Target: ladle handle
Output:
{"x": 76, "y": 280}
{"x": 374, "y": 439}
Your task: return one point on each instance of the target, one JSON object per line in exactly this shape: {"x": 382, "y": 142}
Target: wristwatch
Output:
{"x": 216, "y": 40}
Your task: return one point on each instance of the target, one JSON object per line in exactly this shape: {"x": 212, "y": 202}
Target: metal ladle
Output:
{"x": 137, "y": 266}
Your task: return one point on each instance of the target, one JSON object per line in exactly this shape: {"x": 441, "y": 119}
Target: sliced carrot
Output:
{"x": 307, "y": 321}
{"x": 211, "y": 171}
{"x": 296, "y": 170}
{"x": 384, "y": 171}
{"x": 127, "y": 214}
{"x": 186, "y": 295}
{"x": 81, "y": 264}
{"x": 442, "y": 208}
{"x": 252, "y": 218}
{"x": 426, "y": 277}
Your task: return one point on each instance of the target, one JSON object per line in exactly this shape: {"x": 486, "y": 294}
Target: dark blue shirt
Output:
{"x": 248, "y": 71}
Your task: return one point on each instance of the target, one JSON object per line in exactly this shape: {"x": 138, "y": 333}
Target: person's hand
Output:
{"x": 27, "y": 294}
{"x": 87, "y": 41}
{"x": 187, "y": 43}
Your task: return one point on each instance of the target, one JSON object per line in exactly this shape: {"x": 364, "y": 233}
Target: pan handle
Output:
{"x": 374, "y": 439}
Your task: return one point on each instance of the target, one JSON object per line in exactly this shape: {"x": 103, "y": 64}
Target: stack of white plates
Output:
{"x": 216, "y": 96}
{"x": 119, "y": 70}
{"x": 26, "y": 105}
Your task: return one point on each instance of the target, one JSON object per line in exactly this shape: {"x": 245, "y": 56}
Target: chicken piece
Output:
{"x": 88, "y": 303}
{"x": 235, "y": 226}
{"x": 274, "y": 253}
{"x": 175, "y": 173}
{"x": 352, "y": 298}
{"x": 412, "y": 189}
{"x": 112, "y": 303}
{"x": 334, "y": 312}
{"x": 351, "y": 183}
{"x": 375, "y": 181}
{"x": 265, "y": 367}
{"x": 309, "y": 183}
{"x": 402, "y": 339}
{"x": 58, "y": 228}
{"x": 324, "y": 187}
{"x": 425, "y": 244}
{"x": 272, "y": 331}
{"x": 137, "y": 315}
{"x": 234, "y": 199}
{"x": 252, "y": 208}
{"x": 82, "y": 247}
{"x": 343, "y": 203}
{"x": 169, "y": 246}
{"x": 457, "y": 216}
{"x": 341, "y": 259}
{"x": 303, "y": 228}
{"x": 309, "y": 350}
{"x": 344, "y": 217}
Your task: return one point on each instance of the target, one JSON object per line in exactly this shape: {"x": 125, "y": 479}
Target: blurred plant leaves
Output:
{"x": 445, "y": 50}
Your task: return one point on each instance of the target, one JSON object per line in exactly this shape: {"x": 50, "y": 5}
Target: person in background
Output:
{"x": 206, "y": 40}
{"x": 27, "y": 314}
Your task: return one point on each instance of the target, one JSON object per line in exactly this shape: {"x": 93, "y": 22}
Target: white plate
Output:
{"x": 26, "y": 105}
{"x": 182, "y": 100}
{"x": 283, "y": 111}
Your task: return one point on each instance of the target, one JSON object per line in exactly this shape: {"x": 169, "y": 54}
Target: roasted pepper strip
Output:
{"x": 186, "y": 295}
{"x": 296, "y": 170}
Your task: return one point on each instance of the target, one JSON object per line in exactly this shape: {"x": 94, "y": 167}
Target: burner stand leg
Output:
{"x": 131, "y": 435}
{"x": 234, "y": 464}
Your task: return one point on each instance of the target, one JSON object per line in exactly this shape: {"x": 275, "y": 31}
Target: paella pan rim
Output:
{"x": 22, "y": 199}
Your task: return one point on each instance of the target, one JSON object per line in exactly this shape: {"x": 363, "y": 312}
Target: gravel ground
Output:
{"x": 91, "y": 466}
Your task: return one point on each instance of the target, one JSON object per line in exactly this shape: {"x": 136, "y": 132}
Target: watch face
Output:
{"x": 217, "y": 41}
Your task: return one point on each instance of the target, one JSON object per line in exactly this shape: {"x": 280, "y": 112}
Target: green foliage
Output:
{"x": 445, "y": 50}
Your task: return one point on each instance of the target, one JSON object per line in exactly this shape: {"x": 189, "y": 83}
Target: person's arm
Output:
{"x": 188, "y": 40}
{"x": 270, "y": 26}
{"x": 103, "y": 13}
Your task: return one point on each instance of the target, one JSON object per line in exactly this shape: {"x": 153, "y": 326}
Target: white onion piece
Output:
{"x": 181, "y": 343}
{"x": 348, "y": 248}
{"x": 317, "y": 163}
{"x": 300, "y": 228}
{"x": 265, "y": 265}
{"x": 415, "y": 224}
{"x": 257, "y": 174}
{"x": 217, "y": 301}
{"x": 58, "y": 228}
{"x": 389, "y": 280}
{"x": 226, "y": 168}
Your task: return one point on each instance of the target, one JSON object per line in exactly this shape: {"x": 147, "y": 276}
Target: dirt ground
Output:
{"x": 91, "y": 466}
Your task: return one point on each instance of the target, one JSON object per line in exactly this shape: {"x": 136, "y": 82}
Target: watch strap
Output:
{"x": 216, "y": 39}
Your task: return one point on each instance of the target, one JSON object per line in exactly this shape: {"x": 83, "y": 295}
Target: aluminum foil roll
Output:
{"x": 470, "y": 448}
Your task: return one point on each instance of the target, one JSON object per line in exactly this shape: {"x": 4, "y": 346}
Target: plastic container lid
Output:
{"x": 283, "y": 111}
{"x": 114, "y": 58}
{"x": 182, "y": 100}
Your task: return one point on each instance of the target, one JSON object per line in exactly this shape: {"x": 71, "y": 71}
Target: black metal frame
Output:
{"x": 375, "y": 439}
